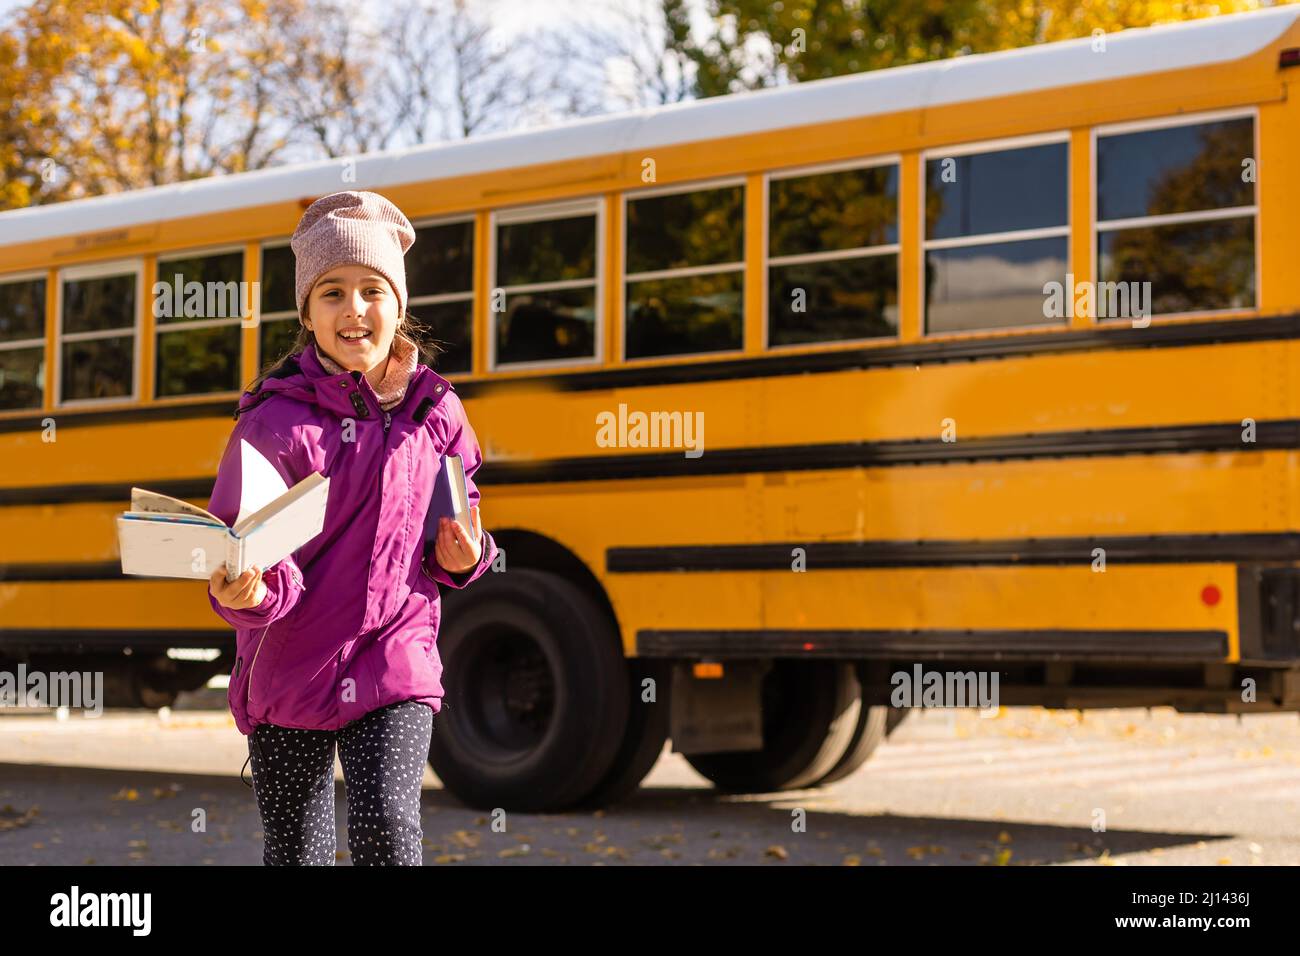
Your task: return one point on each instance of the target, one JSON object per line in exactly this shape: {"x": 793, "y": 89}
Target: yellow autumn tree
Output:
{"x": 101, "y": 96}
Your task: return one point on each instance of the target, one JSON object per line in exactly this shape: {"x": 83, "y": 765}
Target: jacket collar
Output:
{"x": 348, "y": 394}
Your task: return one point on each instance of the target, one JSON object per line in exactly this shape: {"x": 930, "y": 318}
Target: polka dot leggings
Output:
{"x": 383, "y": 756}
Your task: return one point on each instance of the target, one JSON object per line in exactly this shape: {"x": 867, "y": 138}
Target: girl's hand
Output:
{"x": 454, "y": 550}
{"x": 245, "y": 591}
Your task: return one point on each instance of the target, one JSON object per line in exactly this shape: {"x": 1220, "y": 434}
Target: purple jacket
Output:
{"x": 350, "y": 620}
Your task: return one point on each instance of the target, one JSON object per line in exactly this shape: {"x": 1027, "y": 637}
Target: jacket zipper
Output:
{"x": 383, "y": 456}
{"x": 248, "y": 696}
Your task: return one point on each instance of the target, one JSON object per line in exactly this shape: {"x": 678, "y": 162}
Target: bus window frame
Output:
{"x": 672, "y": 189}
{"x": 1046, "y": 232}
{"x": 21, "y": 345}
{"x": 201, "y": 252}
{"x": 537, "y": 212}
{"x": 1233, "y": 212}
{"x": 796, "y": 172}
{"x": 442, "y": 297}
{"x": 278, "y": 315}
{"x": 95, "y": 270}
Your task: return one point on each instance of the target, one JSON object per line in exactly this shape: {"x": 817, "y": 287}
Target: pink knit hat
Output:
{"x": 347, "y": 227}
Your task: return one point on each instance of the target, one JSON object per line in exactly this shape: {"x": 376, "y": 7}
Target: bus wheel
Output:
{"x": 535, "y": 693}
{"x": 871, "y": 729}
{"x": 810, "y": 714}
{"x": 875, "y": 723}
{"x": 647, "y": 732}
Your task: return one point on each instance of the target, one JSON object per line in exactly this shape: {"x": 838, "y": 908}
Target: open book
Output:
{"x": 164, "y": 537}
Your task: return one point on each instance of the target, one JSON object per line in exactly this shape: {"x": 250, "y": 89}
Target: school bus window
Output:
{"x": 97, "y": 336}
{"x": 440, "y": 286}
{"x": 832, "y": 266}
{"x": 996, "y": 232}
{"x": 278, "y": 327}
{"x": 22, "y": 343}
{"x": 277, "y": 281}
{"x": 685, "y": 272}
{"x": 197, "y": 303}
{"x": 546, "y": 269}
{"x": 1176, "y": 208}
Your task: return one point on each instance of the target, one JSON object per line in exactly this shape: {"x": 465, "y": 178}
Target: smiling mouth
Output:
{"x": 355, "y": 338}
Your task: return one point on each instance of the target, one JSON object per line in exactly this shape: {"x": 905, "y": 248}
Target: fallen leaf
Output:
{"x": 466, "y": 838}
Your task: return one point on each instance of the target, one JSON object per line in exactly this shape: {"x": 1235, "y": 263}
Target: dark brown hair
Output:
{"x": 408, "y": 327}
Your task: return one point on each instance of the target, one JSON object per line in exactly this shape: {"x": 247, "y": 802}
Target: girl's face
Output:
{"x": 349, "y": 299}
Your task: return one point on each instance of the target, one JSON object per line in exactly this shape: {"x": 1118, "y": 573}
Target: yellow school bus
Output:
{"x": 985, "y": 366}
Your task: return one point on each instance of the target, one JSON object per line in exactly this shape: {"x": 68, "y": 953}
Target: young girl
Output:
{"x": 336, "y": 643}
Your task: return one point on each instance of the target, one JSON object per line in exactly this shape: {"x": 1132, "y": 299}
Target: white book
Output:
{"x": 164, "y": 537}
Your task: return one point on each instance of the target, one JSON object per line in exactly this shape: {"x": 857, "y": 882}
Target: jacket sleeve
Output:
{"x": 283, "y": 580}
{"x": 463, "y": 442}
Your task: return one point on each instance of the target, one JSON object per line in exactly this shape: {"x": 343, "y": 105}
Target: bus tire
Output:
{"x": 875, "y": 724}
{"x": 535, "y": 698}
{"x": 809, "y": 713}
{"x": 867, "y": 736}
{"x": 647, "y": 731}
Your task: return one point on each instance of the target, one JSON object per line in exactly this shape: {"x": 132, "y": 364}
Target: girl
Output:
{"x": 336, "y": 643}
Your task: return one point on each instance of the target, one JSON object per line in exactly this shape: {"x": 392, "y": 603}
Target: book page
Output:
{"x": 278, "y": 532}
{"x": 262, "y": 484}
{"x": 459, "y": 494}
{"x": 154, "y": 502}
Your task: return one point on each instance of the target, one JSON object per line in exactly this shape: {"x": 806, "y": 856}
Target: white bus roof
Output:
{"x": 955, "y": 80}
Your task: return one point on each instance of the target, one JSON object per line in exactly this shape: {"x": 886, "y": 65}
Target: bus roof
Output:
{"x": 916, "y": 86}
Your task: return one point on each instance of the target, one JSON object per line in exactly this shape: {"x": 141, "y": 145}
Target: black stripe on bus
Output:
{"x": 1005, "y": 645}
{"x": 1144, "y": 440}
{"x": 172, "y": 411}
{"x": 1174, "y": 335}
{"x": 841, "y": 555}
{"x": 67, "y": 571}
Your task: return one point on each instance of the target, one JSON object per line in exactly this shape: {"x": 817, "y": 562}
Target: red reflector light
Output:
{"x": 808, "y": 647}
{"x": 1210, "y": 595}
